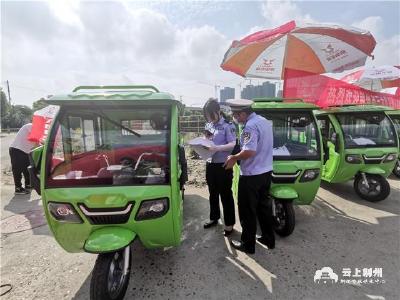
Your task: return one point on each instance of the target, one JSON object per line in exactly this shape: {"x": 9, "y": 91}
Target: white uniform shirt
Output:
{"x": 21, "y": 140}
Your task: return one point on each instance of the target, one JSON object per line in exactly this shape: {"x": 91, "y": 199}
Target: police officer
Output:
{"x": 256, "y": 142}
{"x": 219, "y": 179}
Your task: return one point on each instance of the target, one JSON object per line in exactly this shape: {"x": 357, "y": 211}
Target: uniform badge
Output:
{"x": 246, "y": 137}
{"x": 233, "y": 130}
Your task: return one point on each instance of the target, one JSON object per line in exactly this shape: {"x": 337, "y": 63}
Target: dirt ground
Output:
{"x": 196, "y": 173}
{"x": 338, "y": 230}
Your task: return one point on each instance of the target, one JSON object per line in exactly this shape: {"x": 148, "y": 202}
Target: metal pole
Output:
{"x": 8, "y": 90}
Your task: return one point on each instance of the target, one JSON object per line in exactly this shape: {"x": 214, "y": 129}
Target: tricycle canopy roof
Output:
{"x": 394, "y": 112}
{"x": 282, "y": 103}
{"x": 121, "y": 95}
{"x": 354, "y": 109}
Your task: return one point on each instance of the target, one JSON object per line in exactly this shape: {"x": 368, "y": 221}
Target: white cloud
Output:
{"x": 279, "y": 12}
{"x": 387, "y": 50}
{"x": 373, "y": 24}
{"x": 66, "y": 11}
{"x": 107, "y": 43}
{"x": 51, "y": 47}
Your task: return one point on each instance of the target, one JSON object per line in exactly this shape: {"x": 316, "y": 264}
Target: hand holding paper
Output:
{"x": 203, "y": 147}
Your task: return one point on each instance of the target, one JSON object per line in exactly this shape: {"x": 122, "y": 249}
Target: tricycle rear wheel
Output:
{"x": 110, "y": 276}
{"x": 284, "y": 217}
{"x": 378, "y": 187}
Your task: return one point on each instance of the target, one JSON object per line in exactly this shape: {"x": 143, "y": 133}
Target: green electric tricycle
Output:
{"x": 360, "y": 142}
{"x": 111, "y": 172}
{"x": 297, "y": 155}
{"x": 394, "y": 115}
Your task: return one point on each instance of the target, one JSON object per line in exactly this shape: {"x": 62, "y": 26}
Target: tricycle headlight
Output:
{"x": 64, "y": 212}
{"x": 353, "y": 159}
{"x": 390, "y": 157}
{"x": 309, "y": 175}
{"x": 151, "y": 209}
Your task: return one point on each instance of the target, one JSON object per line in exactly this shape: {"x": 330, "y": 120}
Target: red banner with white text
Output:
{"x": 41, "y": 122}
{"x": 325, "y": 91}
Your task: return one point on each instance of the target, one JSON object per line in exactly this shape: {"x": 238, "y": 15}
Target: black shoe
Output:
{"x": 210, "y": 224}
{"x": 21, "y": 191}
{"x": 238, "y": 245}
{"x": 270, "y": 243}
{"x": 228, "y": 232}
{"x": 28, "y": 188}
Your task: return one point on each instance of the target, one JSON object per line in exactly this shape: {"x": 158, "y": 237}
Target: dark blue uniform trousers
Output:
{"x": 254, "y": 203}
{"x": 219, "y": 183}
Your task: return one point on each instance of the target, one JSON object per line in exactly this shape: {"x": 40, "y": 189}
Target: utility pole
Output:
{"x": 8, "y": 90}
{"x": 216, "y": 91}
{"x": 240, "y": 91}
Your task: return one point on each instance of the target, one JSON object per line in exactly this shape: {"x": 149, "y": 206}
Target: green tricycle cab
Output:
{"x": 359, "y": 142}
{"x": 297, "y": 160}
{"x": 112, "y": 171}
{"x": 394, "y": 115}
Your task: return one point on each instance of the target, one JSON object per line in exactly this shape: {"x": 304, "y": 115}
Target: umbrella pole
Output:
{"x": 284, "y": 84}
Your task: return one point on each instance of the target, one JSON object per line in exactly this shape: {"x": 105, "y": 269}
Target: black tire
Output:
{"x": 101, "y": 285}
{"x": 379, "y": 188}
{"x": 284, "y": 218}
{"x": 396, "y": 170}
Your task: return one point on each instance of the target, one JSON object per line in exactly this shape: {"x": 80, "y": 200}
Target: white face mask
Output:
{"x": 235, "y": 120}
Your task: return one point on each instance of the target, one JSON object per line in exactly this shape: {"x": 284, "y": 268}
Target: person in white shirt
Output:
{"x": 19, "y": 150}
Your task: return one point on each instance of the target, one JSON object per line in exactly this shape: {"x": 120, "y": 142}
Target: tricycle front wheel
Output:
{"x": 110, "y": 276}
{"x": 372, "y": 187}
{"x": 284, "y": 217}
{"x": 396, "y": 170}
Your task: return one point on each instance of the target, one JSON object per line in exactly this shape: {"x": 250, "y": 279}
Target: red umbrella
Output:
{"x": 312, "y": 48}
{"x": 375, "y": 78}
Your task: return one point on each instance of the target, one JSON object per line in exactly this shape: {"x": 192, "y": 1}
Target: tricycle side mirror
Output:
{"x": 35, "y": 159}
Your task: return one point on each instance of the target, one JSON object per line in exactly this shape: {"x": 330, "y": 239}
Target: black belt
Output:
{"x": 215, "y": 164}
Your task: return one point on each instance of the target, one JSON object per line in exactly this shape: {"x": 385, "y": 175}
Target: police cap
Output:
{"x": 238, "y": 105}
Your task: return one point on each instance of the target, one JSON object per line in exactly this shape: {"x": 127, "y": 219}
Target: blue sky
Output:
{"x": 51, "y": 46}
{"x": 235, "y": 18}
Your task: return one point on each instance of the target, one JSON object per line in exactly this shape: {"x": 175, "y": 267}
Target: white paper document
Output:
{"x": 197, "y": 144}
{"x": 281, "y": 151}
{"x": 361, "y": 141}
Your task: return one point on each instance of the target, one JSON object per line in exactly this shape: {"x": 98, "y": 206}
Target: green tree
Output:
{"x": 4, "y": 108}
{"x": 17, "y": 116}
{"x": 39, "y": 104}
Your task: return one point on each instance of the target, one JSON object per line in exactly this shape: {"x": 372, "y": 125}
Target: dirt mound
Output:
{"x": 196, "y": 172}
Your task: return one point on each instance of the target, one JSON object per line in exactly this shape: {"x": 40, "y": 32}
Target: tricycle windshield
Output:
{"x": 295, "y": 135}
{"x": 367, "y": 130}
{"x": 101, "y": 146}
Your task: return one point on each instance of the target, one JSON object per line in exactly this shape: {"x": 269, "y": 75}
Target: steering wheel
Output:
{"x": 141, "y": 157}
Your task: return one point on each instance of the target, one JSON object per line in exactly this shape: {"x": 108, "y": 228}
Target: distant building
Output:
{"x": 226, "y": 93}
{"x": 267, "y": 89}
